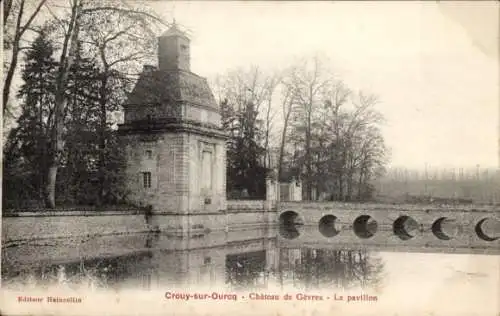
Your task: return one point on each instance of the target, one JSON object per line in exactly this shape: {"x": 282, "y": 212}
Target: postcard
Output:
{"x": 250, "y": 158}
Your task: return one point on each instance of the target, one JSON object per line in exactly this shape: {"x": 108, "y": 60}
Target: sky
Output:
{"x": 433, "y": 66}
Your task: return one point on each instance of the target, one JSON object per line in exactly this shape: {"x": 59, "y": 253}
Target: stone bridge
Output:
{"x": 176, "y": 173}
{"x": 408, "y": 228}
{"x": 32, "y": 238}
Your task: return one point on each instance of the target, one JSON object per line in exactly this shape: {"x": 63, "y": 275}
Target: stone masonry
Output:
{"x": 173, "y": 138}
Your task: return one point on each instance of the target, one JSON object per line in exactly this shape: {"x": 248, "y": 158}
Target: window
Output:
{"x": 146, "y": 177}
{"x": 207, "y": 170}
{"x": 149, "y": 154}
{"x": 207, "y": 260}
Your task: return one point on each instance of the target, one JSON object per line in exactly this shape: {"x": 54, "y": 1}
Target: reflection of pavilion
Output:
{"x": 236, "y": 260}
{"x": 210, "y": 260}
{"x": 214, "y": 259}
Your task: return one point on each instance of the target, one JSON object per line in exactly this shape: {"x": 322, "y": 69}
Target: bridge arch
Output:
{"x": 328, "y": 226}
{"x": 288, "y": 222}
{"x": 444, "y": 228}
{"x": 365, "y": 226}
{"x": 405, "y": 227}
{"x": 290, "y": 218}
{"x": 485, "y": 229}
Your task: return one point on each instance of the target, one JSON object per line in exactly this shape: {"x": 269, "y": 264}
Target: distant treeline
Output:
{"x": 477, "y": 185}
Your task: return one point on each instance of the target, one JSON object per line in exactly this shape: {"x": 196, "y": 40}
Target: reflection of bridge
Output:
{"x": 176, "y": 176}
{"x": 59, "y": 237}
{"x": 390, "y": 227}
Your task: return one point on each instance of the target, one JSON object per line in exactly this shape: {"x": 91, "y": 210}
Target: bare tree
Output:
{"x": 241, "y": 88}
{"x": 7, "y": 6}
{"x": 336, "y": 135}
{"x": 66, "y": 60}
{"x": 272, "y": 83}
{"x": 122, "y": 40}
{"x": 286, "y": 107}
{"x": 81, "y": 11}
{"x": 246, "y": 98}
{"x": 15, "y": 13}
{"x": 308, "y": 82}
{"x": 356, "y": 146}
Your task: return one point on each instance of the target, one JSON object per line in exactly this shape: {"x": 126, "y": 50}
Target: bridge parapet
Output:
{"x": 241, "y": 205}
{"x": 383, "y": 207}
{"x": 399, "y": 226}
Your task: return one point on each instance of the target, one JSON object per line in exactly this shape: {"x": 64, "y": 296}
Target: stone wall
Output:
{"x": 176, "y": 173}
{"x": 156, "y": 111}
{"x": 63, "y": 237}
{"x": 290, "y": 191}
{"x": 42, "y": 225}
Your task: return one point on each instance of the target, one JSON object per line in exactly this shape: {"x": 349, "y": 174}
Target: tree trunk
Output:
{"x": 360, "y": 183}
{"x": 57, "y": 145}
{"x": 41, "y": 145}
{"x": 102, "y": 135}
{"x": 10, "y": 76}
{"x": 308, "y": 159}
{"x": 15, "y": 51}
{"x": 282, "y": 147}
{"x": 7, "y": 5}
{"x": 19, "y": 31}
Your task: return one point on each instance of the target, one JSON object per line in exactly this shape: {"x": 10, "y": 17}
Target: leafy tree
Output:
{"x": 244, "y": 95}
{"x": 70, "y": 30}
{"x": 25, "y": 153}
{"x": 245, "y": 168}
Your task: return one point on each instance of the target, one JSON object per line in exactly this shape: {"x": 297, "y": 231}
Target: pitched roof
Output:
{"x": 174, "y": 31}
{"x": 159, "y": 86}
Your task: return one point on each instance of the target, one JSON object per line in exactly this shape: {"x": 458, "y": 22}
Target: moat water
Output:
{"x": 461, "y": 284}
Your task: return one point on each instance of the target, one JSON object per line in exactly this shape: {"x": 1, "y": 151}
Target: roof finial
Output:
{"x": 173, "y": 14}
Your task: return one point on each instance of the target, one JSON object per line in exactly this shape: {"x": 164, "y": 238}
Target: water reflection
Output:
{"x": 256, "y": 259}
{"x": 289, "y": 231}
{"x": 247, "y": 270}
{"x": 322, "y": 268}
{"x": 236, "y": 260}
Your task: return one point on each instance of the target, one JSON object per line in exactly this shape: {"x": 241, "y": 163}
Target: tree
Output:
{"x": 307, "y": 82}
{"x": 287, "y": 110}
{"x": 14, "y": 30}
{"x": 243, "y": 95}
{"x": 26, "y": 150}
{"x": 66, "y": 60}
{"x": 335, "y": 140}
{"x": 81, "y": 120}
{"x": 121, "y": 40}
{"x": 80, "y": 10}
{"x": 27, "y": 146}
